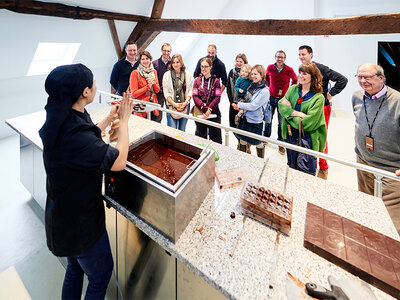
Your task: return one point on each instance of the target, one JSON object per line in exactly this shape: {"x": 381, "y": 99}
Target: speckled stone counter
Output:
{"x": 263, "y": 257}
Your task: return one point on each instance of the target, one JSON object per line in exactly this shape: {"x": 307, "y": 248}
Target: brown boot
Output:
{"x": 248, "y": 148}
{"x": 261, "y": 152}
{"x": 242, "y": 148}
{"x": 322, "y": 174}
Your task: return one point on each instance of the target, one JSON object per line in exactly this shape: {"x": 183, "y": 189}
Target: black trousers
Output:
{"x": 203, "y": 130}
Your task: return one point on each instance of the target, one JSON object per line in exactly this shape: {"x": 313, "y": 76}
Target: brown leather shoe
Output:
{"x": 261, "y": 152}
{"x": 242, "y": 148}
{"x": 248, "y": 148}
{"x": 322, "y": 174}
{"x": 281, "y": 150}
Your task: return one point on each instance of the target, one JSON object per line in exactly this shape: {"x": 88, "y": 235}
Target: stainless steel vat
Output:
{"x": 169, "y": 208}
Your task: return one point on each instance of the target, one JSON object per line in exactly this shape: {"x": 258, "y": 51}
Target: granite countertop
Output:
{"x": 263, "y": 257}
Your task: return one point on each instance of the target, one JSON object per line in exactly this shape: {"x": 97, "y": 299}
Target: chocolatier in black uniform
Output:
{"x": 75, "y": 157}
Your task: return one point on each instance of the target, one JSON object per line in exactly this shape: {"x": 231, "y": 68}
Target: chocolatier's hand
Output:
{"x": 113, "y": 114}
{"x": 125, "y": 108}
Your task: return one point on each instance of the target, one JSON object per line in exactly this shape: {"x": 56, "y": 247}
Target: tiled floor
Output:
{"x": 22, "y": 242}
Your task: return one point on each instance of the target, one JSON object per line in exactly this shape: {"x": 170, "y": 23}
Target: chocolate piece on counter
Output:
{"x": 267, "y": 206}
{"x": 233, "y": 215}
{"x": 362, "y": 251}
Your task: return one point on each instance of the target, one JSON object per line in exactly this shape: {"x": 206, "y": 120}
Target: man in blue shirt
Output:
{"x": 123, "y": 68}
{"x": 161, "y": 65}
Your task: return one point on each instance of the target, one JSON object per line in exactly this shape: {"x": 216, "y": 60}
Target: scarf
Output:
{"x": 179, "y": 85}
{"x": 254, "y": 87}
{"x": 235, "y": 76}
{"x": 146, "y": 73}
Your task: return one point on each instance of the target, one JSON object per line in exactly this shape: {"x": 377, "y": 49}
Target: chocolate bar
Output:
{"x": 360, "y": 250}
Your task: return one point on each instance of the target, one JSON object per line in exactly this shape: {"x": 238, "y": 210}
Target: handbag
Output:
{"x": 196, "y": 111}
{"x": 300, "y": 161}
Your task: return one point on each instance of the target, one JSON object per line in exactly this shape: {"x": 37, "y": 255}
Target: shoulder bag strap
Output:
{"x": 209, "y": 92}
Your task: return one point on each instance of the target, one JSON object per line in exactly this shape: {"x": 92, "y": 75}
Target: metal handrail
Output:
{"x": 379, "y": 173}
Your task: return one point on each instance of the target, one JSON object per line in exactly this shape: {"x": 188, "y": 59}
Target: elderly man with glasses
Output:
{"x": 278, "y": 76}
{"x": 377, "y": 134}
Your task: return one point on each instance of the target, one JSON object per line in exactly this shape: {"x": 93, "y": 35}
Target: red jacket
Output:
{"x": 279, "y": 80}
{"x": 140, "y": 90}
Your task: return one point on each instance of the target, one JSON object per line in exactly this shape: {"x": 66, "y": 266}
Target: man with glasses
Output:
{"x": 161, "y": 65}
{"x": 305, "y": 56}
{"x": 377, "y": 134}
{"x": 218, "y": 67}
{"x": 123, "y": 68}
{"x": 278, "y": 76}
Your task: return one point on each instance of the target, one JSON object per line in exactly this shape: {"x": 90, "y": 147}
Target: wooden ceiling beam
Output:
{"x": 65, "y": 11}
{"x": 115, "y": 38}
{"x": 140, "y": 35}
{"x": 369, "y": 24}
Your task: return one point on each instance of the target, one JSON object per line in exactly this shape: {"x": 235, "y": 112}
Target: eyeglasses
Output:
{"x": 280, "y": 57}
{"x": 205, "y": 67}
{"x": 360, "y": 77}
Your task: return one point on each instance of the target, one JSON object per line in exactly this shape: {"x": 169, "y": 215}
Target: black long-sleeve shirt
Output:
{"x": 331, "y": 75}
{"x": 218, "y": 70}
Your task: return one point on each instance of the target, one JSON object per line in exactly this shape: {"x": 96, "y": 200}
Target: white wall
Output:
{"x": 345, "y": 53}
{"x": 20, "y": 35}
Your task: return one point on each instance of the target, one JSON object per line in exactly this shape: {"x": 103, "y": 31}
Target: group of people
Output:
{"x": 75, "y": 155}
{"x": 255, "y": 94}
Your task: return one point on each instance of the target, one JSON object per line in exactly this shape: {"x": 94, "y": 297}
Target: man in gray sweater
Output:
{"x": 377, "y": 134}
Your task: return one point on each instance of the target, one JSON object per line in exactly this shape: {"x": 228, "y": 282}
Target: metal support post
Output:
{"x": 227, "y": 138}
{"x": 378, "y": 186}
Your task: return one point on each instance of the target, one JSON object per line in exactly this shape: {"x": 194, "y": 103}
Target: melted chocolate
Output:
{"x": 162, "y": 162}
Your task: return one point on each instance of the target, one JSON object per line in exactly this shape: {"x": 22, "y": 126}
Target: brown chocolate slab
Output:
{"x": 267, "y": 206}
{"x": 362, "y": 251}
{"x": 357, "y": 254}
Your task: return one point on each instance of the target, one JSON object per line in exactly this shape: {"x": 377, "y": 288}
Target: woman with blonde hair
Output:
{"x": 144, "y": 83}
{"x": 177, "y": 88}
{"x": 304, "y": 101}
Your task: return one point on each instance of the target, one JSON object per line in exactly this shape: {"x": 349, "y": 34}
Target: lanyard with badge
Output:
{"x": 369, "y": 140}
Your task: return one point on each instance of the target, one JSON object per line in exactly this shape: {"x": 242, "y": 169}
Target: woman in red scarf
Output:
{"x": 144, "y": 83}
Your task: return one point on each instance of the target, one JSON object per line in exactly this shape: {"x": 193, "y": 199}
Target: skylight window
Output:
{"x": 50, "y": 55}
{"x": 183, "y": 41}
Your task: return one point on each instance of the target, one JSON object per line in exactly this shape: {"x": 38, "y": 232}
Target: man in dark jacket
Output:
{"x": 123, "y": 68}
{"x": 305, "y": 56}
{"x": 161, "y": 65}
{"x": 218, "y": 68}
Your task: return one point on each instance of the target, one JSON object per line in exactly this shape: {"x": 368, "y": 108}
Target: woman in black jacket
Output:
{"x": 75, "y": 157}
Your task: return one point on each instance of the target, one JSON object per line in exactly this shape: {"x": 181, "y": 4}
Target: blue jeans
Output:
{"x": 97, "y": 263}
{"x": 176, "y": 123}
{"x": 267, "y": 128}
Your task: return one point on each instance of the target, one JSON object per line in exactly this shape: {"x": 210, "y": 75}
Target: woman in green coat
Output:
{"x": 304, "y": 101}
